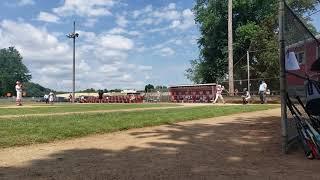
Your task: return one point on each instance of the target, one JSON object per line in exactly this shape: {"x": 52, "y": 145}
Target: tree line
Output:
{"x": 255, "y": 28}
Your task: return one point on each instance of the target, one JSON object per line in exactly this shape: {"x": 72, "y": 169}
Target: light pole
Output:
{"x": 73, "y": 35}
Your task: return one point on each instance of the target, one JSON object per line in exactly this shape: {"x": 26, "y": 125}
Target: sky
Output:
{"x": 315, "y": 17}
{"x": 122, "y": 44}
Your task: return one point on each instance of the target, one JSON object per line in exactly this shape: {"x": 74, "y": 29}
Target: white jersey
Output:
{"x": 247, "y": 94}
{"x": 262, "y": 87}
{"x": 19, "y": 88}
{"x": 19, "y": 91}
{"x": 51, "y": 97}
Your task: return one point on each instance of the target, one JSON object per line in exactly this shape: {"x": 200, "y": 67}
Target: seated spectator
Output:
{"x": 236, "y": 92}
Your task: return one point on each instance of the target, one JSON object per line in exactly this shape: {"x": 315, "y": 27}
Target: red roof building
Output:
{"x": 307, "y": 52}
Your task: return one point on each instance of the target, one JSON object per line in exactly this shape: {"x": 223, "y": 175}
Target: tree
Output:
{"x": 148, "y": 87}
{"x": 161, "y": 87}
{"x": 254, "y": 25}
{"x": 12, "y": 69}
{"x": 115, "y": 90}
{"x": 91, "y": 90}
{"x": 36, "y": 90}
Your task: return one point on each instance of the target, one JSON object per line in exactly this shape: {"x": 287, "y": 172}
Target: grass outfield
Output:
{"x": 42, "y": 129}
{"x": 47, "y": 109}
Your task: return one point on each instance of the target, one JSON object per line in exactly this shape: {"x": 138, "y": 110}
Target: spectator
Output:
{"x": 246, "y": 96}
{"x": 268, "y": 92}
{"x": 82, "y": 99}
{"x": 19, "y": 93}
{"x": 262, "y": 92}
{"x": 236, "y": 92}
{"x": 100, "y": 93}
{"x": 70, "y": 97}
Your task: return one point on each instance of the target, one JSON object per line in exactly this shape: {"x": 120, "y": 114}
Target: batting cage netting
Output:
{"x": 301, "y": 90}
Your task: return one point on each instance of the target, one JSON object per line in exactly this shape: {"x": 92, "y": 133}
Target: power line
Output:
{"x": 252, "y": 52}
{"x": 313, "y": 13}
{"x": 240, "y": 59}
{"x": 238, "y": 80}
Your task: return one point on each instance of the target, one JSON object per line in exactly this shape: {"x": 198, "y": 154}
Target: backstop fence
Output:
{"x": 299, "y": 49}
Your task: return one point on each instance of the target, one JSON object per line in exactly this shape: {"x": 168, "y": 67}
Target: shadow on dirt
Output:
{"x": 243, "y": 149}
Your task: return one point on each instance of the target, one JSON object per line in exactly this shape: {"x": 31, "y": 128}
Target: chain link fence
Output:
{"x": 302, "y": 44}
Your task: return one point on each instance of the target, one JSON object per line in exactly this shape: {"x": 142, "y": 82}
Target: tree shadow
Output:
{"x": 248, "y": 148}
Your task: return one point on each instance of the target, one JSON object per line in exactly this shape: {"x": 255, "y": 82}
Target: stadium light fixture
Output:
{"x": 73, "y": 36}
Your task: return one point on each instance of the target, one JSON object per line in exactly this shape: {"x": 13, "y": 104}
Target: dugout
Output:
{"x": 195, "y": 93}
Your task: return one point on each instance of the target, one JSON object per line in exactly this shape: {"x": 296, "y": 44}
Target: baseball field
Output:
{"x": 146, "y": 141}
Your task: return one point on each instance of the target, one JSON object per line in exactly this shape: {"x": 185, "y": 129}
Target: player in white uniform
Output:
{"x": 19, "y": 93}
{"x": 246, "y": 96}
{"x": 51, "y": 97}
{"x": 219, "y": 93}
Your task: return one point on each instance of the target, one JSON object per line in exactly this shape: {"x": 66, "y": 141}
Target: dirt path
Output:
{"x": 244, "y": 146}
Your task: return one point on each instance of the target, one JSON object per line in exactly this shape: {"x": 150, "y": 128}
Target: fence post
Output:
{"x": 248, "y": 67}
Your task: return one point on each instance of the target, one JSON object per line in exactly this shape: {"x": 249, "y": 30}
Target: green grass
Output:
{"x": 42, "y": 129}
{"x": 74, "y": 108}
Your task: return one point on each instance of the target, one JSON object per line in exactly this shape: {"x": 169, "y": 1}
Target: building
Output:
{"x": 307, "y": 52}
{"x": 196, "y": 93}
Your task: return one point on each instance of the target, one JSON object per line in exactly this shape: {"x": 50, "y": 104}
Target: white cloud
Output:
{"x": 172, "y": 6}
{"x": 147, "y": 21}
{"x": 35, "y": 44}
{"x": 175, "y": 24}
{"x": 167, "y": 14}
{"x": 144, "y": 68}
{"x": 48, "y": 17}
{"x": 50, "y": 59}
{"x": 167, "y": 51}
{"x": 26, "y": 2}
{"x": 183, "y": 22}
{"x": 119, "y": 30}
{"x": 122, "y": 21}
{"x": 165, "y": 18}
{"x": 187, "y": 20}
{"x": 134, "y": 33}
{"x": 90, "y": 8}
{"x": 145, "y": 10}
{"x": 116, "y": 42}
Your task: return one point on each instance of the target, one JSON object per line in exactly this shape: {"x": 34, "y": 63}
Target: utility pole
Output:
{"x": 283, "y": 81}
{"x": 230, "y": 48}
{"x": 73, "y": 35}
{"x": 248, "y": 66}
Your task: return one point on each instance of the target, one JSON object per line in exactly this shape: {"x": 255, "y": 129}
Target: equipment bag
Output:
{"x": 313, "y": 97}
